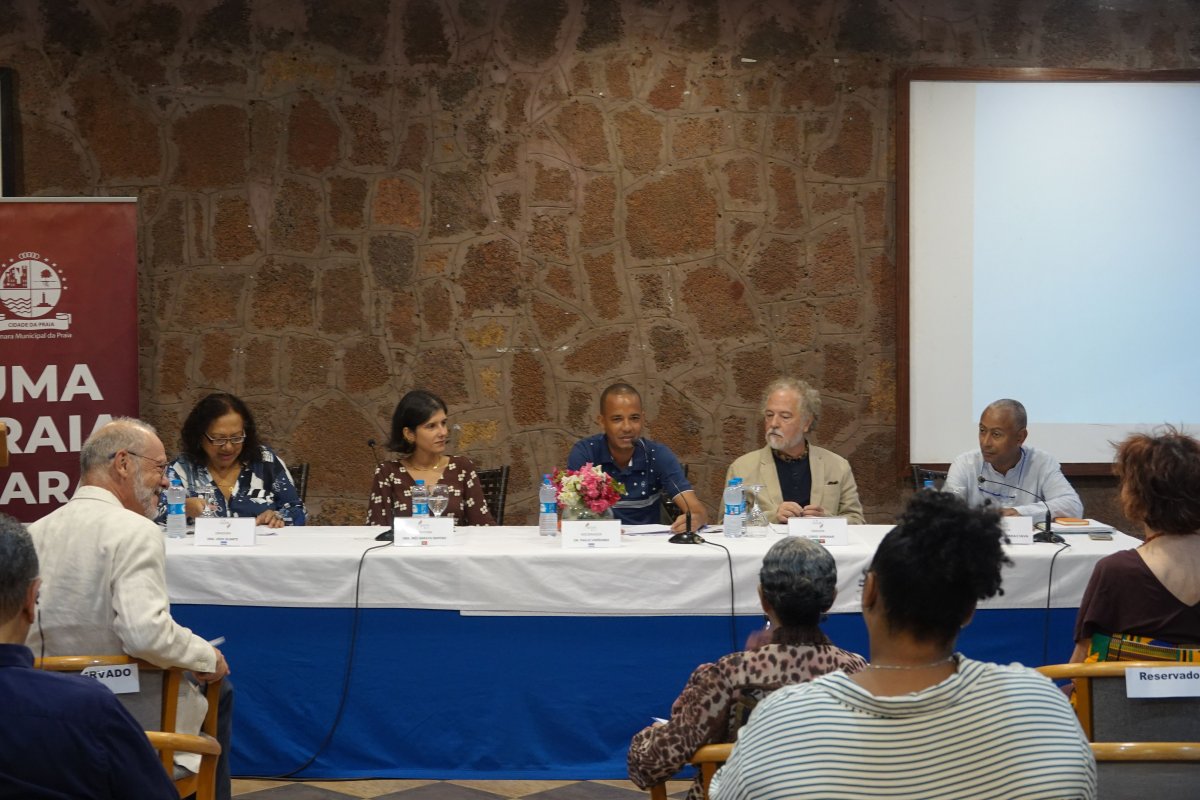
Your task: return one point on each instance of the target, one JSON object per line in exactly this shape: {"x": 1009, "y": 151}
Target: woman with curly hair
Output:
{"x": 1145, "y": 603}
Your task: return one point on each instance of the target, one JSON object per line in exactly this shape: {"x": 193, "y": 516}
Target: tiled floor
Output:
{"x": 446, "y": 790}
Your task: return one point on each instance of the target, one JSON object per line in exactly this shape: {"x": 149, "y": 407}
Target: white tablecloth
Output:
{"x": 512, "y": 570}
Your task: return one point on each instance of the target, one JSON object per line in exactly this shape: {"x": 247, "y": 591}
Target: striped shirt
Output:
{"x": 987, "y": 731}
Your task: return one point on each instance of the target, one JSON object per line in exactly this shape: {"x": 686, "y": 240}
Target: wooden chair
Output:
{"x": 1162, "y": 770}
{"x": 708, "y": 759}
{"x": 186, "y": 782}
{"x": 494, "y": 483}
{"x": 920, "y": 475}
{"x": 1106, "y": 714}
{"x": 203, "y": 784}
{"x": 300, "y": 473}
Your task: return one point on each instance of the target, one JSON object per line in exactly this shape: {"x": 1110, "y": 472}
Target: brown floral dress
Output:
{"x": 391, "y": 494}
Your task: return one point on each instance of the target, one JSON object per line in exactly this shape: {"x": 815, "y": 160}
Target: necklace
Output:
{"x": 414, "y": 468}
{"x": 930, "y": 665}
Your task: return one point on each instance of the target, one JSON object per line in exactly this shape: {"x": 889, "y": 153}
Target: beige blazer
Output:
{"x": 104, "y": 592}
{"x": 833, "y": 486}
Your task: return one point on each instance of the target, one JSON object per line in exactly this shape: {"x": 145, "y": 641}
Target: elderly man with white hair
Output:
{"x": 798, "y": 479}
{"x": 103, "y": 570}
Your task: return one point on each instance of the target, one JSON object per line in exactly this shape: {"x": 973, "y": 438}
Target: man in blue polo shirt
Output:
{"x": 648, "y": 469}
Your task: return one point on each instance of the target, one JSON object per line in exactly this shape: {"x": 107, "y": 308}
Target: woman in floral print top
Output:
{"x": 797, "y": 584}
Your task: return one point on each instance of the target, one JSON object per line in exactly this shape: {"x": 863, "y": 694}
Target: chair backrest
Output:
{"x": 1106, "y": 714}
{"x": 494, "y": 483}
{"x": 1162, "y": 770}
{"x": 921, "y": 475}
{"x": 300, "y": 474}
{"x": 171, "y": 679}
{"x": 708, "y": 759}
{"x": 671, "y": 511}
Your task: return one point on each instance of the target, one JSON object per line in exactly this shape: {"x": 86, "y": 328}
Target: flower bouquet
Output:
{"x": 587, "y": 493}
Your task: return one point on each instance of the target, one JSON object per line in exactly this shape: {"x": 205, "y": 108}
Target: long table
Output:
{"x": 509, "y": 657}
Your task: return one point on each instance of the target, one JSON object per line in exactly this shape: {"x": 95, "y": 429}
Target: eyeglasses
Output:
{"x": 221, "y": 441}
{"x": 161, "y": 468}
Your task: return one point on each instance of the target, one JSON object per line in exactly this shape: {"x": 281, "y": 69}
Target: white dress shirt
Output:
{"x": 1036, "y": 472}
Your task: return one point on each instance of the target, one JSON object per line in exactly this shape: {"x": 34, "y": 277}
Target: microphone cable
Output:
{"x": 1049, "y": 589}
{"x": 341, "y": 708}
{"x": 733, "y": 637}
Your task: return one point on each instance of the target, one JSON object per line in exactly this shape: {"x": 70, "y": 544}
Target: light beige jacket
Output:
{"x": 104, "y": 592}
{"x": 833, "y": 486}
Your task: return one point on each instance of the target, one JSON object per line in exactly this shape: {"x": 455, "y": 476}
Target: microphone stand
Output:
{"x": 1048, "y": 536}
{"x": 688, "y": 536}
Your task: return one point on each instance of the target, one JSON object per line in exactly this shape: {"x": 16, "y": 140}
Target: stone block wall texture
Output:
{"x": 514, "y": 203}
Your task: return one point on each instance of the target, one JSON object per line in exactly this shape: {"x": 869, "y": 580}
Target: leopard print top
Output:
{"x": 717, "y": 700}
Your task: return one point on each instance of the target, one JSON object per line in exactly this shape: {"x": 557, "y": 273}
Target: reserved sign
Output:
{"x": 580, "y": 533}
{"x": 828, "y": 531}
{"x": 225, "y": 531}
{"x": 423, "y": 532}
{"x": 1019, "y": 530}
{"x": 119, "y": 678}
{"x": 1183, "y": 681}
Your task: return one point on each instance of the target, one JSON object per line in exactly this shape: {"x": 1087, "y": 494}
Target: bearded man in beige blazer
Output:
{"x": 104, "y": 582}
{"x": 798, "y": 479}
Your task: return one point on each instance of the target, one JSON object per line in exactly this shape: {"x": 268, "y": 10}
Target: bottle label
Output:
{"x": 420, "y": 510}
{"x": 550, "y": 508}
{"x": 175, "y": 508}
{"x": 734, "y": 509}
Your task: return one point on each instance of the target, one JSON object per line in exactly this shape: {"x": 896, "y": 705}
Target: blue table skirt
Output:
{"x": 436, "y": 695}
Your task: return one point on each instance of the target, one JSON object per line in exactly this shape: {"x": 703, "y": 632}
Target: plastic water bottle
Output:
{"x": 420, "y": 500}
{"x": 735, "y": 509}
{"x": 548, "y": 515}
{"x": 176, "y": 510}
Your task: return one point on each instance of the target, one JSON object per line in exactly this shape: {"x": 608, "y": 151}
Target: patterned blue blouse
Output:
{"x": 261, "y": 485}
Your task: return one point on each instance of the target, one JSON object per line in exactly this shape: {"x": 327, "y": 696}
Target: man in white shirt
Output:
{"x": 104, "y": 583}
{"x": 1006, "y": 473}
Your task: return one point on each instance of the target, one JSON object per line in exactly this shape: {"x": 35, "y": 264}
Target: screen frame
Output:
{"x": 904, "y": 82}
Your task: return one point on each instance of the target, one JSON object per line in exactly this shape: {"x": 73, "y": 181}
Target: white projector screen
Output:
{"x": 1052, "y": 241}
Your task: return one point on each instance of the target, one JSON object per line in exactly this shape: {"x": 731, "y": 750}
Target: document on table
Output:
{"x": 645, "y": 530}
{"x": 653, "y": 530}
{"x": 1088, "y": 526}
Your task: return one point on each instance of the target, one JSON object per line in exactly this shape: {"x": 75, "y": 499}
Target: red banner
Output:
{"x": 68, "y": 338}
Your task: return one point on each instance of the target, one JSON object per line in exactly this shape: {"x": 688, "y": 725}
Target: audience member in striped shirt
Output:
{"x": 921, "y": 721}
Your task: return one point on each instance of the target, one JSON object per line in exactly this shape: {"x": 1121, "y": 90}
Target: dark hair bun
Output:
{"x": 940, "y": 560}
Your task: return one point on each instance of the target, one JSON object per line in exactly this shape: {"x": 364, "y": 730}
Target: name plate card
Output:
{"x": 424, "y": 532}
{"x": 584, "y": 533}
{"x": 827, "y": 531}
{"x": 119, "y": 678}
{"x": 224, "y": 531}
{"x": 1019, "y": 530}
{"x": 1163, "y": 681}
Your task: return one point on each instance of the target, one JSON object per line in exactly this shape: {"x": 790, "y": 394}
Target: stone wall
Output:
{"x": 516, "y": 203}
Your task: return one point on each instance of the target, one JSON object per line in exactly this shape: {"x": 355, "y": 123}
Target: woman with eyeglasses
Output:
{"x": 222, "y": 455}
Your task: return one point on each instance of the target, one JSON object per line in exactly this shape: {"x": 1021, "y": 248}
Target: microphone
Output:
{"x": 1048, "y": 535}
{"x": 688, "y": 536}
{"x": 389, "y": 535}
